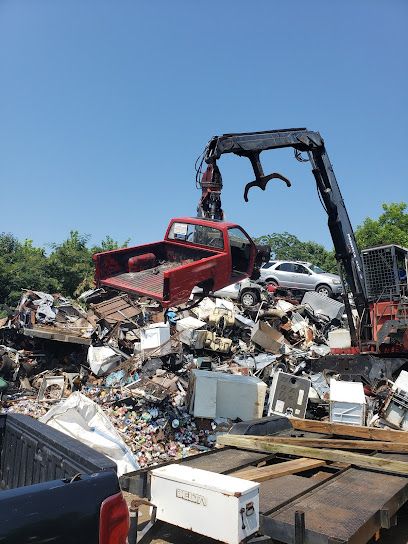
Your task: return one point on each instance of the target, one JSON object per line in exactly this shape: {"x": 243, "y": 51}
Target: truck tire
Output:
{"x": 249, "y": 297}
{"x": 324, "y": 290}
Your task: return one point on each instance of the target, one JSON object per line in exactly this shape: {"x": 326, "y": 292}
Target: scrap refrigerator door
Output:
{"x": 214, "y": 505}
{"x": 288, "y": 395}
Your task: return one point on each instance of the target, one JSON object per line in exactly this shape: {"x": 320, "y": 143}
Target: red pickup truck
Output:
{"x": 209, "y": 254}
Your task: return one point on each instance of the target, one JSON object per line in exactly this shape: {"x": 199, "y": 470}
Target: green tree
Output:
{"x": 288, "y": 246}
{"x": 68, "y": 269}
{"x": 22, "y": 266}
{"x": 108, "y": 243}
{"x": 70, "y": 262}
{"x": 390, "y": 228}
{"x": 8, "y": 246}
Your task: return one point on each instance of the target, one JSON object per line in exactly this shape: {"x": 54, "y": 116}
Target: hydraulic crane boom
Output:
{"x": 251, "y": 145}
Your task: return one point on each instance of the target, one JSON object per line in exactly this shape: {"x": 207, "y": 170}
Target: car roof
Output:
{"x": 289, "y": 261}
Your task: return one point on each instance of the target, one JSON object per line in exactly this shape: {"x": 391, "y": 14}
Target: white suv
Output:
{"x": 301, "y": 275}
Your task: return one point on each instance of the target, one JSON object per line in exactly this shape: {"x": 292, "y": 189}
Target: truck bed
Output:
{"x": 143, "y": 269}
{"x": 149, "y": 281}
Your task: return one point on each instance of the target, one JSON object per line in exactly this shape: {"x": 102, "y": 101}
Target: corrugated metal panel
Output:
{"x": 345, "y": 509}
{"x": 115, "y": 309}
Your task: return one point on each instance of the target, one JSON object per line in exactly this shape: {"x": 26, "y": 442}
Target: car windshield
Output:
{"x": 268, "y": 265}
{"x": 196, "y": 234}
{"x": 316, "y": 269}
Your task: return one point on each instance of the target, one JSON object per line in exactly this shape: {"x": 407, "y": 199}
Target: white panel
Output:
{"x": 219, "y": 391}
{"x": 205, "y": 398}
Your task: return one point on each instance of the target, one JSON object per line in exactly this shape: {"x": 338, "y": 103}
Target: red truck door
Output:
{"x": 243, "y": 251}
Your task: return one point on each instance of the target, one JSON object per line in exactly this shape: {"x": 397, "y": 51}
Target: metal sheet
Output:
{"x": 345, "y": 509}
{"x": 276, "y": 491}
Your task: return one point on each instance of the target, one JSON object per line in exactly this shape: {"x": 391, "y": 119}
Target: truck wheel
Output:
{"x": 324, "y": 290}
{"x": 249, "y": 298}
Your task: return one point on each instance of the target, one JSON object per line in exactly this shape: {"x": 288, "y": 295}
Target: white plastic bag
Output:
{"x": 83, "y": 419}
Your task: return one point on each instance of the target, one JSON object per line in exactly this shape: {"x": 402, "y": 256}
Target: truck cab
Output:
{"x": 195, "y": 252}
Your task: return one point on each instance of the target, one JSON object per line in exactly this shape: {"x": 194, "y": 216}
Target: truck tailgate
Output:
{"x": 32, "y": 452}
{"x": 51, "y": 486}
{"x": 56, "y": 512}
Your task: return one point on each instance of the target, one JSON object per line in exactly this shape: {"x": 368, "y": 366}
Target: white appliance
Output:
{"x": 218, "y": 506}
{"x": 155, "y": 339}
{"x": 325, "y": 306}
{"x": 288, "y": 395}
{"x": 396, "y": 408}
{"x": 218, "y": 394}
{"x": 347, "y": 402}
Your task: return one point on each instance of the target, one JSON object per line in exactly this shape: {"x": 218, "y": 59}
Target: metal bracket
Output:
{"x": 135, "y": 536}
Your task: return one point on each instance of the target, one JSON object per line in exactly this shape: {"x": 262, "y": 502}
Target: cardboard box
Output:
{"x": 267, "y": 337}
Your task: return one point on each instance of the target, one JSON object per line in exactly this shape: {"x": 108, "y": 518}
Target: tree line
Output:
{"x": 391, "y": 227}
{"x": 68, "y": 267}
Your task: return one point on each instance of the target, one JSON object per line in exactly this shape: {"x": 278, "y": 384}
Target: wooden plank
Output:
{"x": 57, "y": 336}
{"x": 113, "y": 309}
{"x": 320, "y": 476}
{"x": 263, "y": 474}
{"x": 342, "y": 429}
{"x": 356, "y": 459}
{"x": 334, "y": 443}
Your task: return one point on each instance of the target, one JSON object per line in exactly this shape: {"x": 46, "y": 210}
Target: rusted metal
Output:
{"x": 116, "y": 309}
{"x": 133, "y": 535}
{"x": 299, "y": 527}
{"x": 350, "y": 508}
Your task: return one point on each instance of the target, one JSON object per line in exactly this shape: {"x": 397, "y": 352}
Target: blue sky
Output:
{"x": 105, "y": 105}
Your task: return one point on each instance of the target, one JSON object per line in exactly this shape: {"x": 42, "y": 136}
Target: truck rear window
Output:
{"x": 197, "y": 234}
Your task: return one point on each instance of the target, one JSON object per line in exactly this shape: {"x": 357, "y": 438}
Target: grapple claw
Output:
{"x": 263, "y": 181}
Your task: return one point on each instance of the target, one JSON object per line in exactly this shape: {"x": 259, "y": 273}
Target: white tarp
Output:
{"x": 83, "y": 419}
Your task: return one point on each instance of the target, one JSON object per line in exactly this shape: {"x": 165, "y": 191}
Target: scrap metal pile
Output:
{"x": 161, "y": 385}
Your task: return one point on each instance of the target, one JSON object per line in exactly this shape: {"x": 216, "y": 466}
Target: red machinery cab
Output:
{"x": 385, "y": 270}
